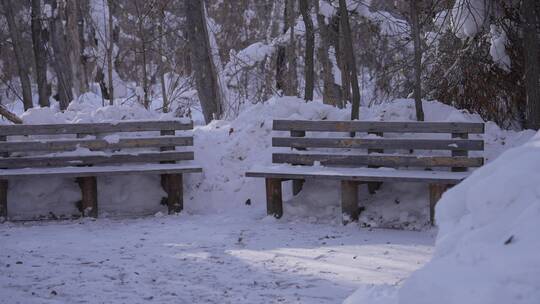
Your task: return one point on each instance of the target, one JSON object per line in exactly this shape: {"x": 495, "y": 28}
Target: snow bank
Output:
{"x": 227, "y": 149}
{"x": 488, "y": 242}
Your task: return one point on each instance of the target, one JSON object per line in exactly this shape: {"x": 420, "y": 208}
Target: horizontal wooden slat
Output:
{"x": 378, "y": 126}
{"x": 357, "y": 174}
{"x": 73, "y": 160}
{"x": 94, "y": 144}
{"x": 383, "y": 143}
{"x": 90, "y": 128}
{"x": 100, "y": 170}
{"x": 376, "y": 160}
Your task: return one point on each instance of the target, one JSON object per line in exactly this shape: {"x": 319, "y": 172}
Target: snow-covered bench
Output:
{"x": 380, "y": 152}
{"x": 87, "y": 150}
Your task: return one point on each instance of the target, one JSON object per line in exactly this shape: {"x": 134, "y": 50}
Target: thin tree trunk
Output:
{"x": 40, "y": 54}
{"x": 415, "y": 30}
{"x": 110, "y": 48}
{"x": 349, "y": 59}
{"x": 61, "y": 62}
{"x": 22, "y": 65}
{"x": 202, "y": 62}
{"x": 310, "y": 50}
{"x": 532, "y": 68}
{"x": 10, "y": 115}
{"x": 162, "y": 63}
{"x": 291, "y": 88}
{"x": 75, "y": 49}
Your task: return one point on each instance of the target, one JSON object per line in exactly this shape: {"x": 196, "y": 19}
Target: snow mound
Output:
{"x": 488, "y": 241}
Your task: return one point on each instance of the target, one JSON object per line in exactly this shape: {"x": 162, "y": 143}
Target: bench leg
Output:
{"x": 297, "y": 185}
{"x": 88, "y": 187}
{"x": 274, "y": 201}
{"x": 435, "y": 193}
{"x": 373, "y": 187}
{"x": 3, "y": 200}
{"x": 349, "y": 201}
{"x": 173, "y": 185}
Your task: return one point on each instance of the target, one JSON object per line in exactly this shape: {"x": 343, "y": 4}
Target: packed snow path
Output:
{"x": 200, "y": 259}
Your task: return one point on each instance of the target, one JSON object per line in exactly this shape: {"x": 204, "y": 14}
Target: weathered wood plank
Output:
{"x": 73, "y": 160}
{"x": 378, "y": 126}
{"x": 360, "y": 174}
{"x": 89, "y": 203}
{"x": 383, "y": 143}
{"x": 274, "y": 201}
{"x": 460, "y": 152}
{"x": 89, "y": 128}
{"x": 349, "y": 201}
{"x": 3, "y": 200}
{"x": 435, "y": 193}
{"x": 373, "y": 187}
{"x": 94, "y": 144}
{"x": 297, "y": 184}
{"x": 376, "y": 160}
{"x": 100, "y": 170}
{"x": 175, "y": 192}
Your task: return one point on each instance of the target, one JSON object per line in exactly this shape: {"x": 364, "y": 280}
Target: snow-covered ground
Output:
{"x": 237, "y": 257}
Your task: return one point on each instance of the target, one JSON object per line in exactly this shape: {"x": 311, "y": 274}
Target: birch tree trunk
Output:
{"x": 110, "y": 47}
{"x": 40, "y": 54}
{"x": 350, "y": 61}
{"x": 309, "y": 69}
{"x": 415, "y": 31}
{"x": 206, "y": 78}
{"x": 532, "y": 68}
{"x": 22, "y": 64}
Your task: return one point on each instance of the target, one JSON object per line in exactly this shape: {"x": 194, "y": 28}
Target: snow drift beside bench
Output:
{"x": 487, "y": 250}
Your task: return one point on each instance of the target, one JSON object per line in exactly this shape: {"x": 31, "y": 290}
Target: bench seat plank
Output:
{"x": 357, "y": 174}
{"x": 100, "y": 170}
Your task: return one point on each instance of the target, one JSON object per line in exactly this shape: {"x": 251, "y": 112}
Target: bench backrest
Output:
{"x": 23, "y": 146}
{"x": 385, "y": 143}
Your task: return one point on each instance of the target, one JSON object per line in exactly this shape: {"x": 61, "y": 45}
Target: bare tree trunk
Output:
{"x": 22, "y": 65}
{"x": 291, "y": 88}
{"x": 161, "y": 62}
{"x": 110, "y": 47}
{"x": 202, "y": 62}
{"x": 10, "y": 115}
{"x": 310, "y": 50}
{"x": 40, "y": 54}
{"x": 532, "y": 68}
{"x": 75, "y": 50}
{"x": 415, "y": 31}
{"x": 61, "y": 62}
{"x": 350, "y": 60}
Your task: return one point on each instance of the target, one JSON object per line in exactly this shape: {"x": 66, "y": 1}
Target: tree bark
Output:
{"x": 22, "y": 65}
{"x": 415, "y": 31}
{"x": 532, "y": 68}
{"x": 291, "y": 88}
{"x": 10, "y": 115}
{"x": 61, "y": 62}
{"x": 110, "y": 47}
{"x": 350, "y": 60}
{"x": 75, "y": 50}
{"x": 40, "y": 54}
{"x": 309, "y": 69}
{"x": 161, "y": 62}
{"x": 206, "y": 78}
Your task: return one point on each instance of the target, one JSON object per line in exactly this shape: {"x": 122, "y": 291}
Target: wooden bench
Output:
{"x": 357, "y": 160}
{"x": 87, "y": 150}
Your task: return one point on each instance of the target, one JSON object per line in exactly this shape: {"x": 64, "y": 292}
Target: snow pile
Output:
{"x": 488, "y": 242}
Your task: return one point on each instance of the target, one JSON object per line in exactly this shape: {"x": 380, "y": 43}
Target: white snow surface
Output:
{"x": 487, "y": 247}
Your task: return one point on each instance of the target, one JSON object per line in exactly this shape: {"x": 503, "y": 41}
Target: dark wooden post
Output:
{"x": 349, "y": 201}
{"x": 3, "y": 190}
{"x": 374, "y": 186}
{"x": 435, "y": 193}
{"x": 88, "y": 187}
{"x": 175, "y": 192}
{"x": 460, "y": 152}
{"x": 172, "y": 183}
{"x": 297, "y": 184}
{"x": 274, "y": 201}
